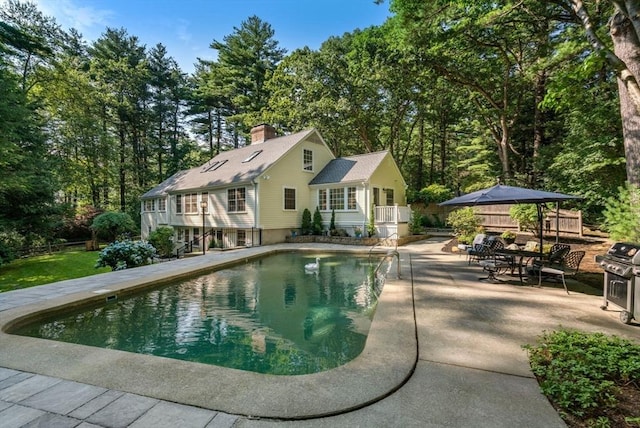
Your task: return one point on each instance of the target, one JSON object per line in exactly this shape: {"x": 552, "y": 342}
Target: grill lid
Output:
{"x": 625, "y": 252}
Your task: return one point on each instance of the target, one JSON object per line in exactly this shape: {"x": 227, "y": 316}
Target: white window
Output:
{"x": 149, "y": 205}
{"x": 242, "y": 238}
{"x": 307, "y": 160}
{"x": 336, "y": 199}
{"x": 236, "y": 199}
{"x": 389, "y": 193}
{"x": 205, "y": 198}
{"x": 289, "y": 198}
{"x": 162, "y": 204}
{"x": 191, "y": 203}
{"x": 351, "y": 198}
{"x": 180, "y": 234}
{"x": 178, "y": 204}
{"x": 322, "y": 199}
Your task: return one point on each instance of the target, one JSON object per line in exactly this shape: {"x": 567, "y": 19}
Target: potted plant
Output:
{"x": 508, "y": 237}
{"x": 357, "y": 231}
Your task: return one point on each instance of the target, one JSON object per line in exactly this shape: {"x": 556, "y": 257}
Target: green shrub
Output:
{"x": 371, "y": 225}
{"x": 435, "y": 193}
{"x": 415, "y": 225}
{"x": 126, "y": 254}
{"x": 465, "y": 224}
{"x": 317, "y": 222}
{"x": 580, "y": 372}
{"x": 162, "y": 240}
{"x": 111, "y": 225}
{"x": 305, "y": 227}
{"x": 527, "y": 217}
{"x": 622, "y": 215}
{"x": 332, "y": 223}
{"x": 10, "y": 243}
{"x": 508, "y": 236}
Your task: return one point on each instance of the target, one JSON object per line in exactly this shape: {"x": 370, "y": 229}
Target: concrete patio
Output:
{"x": 444, "y": 350}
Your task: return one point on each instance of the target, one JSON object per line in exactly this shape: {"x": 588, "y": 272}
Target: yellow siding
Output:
{"x": 288, "y": 172}
{"x": 387, "y": 176}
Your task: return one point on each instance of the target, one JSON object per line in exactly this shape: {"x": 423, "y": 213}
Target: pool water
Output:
{"x": 269, "y": 315}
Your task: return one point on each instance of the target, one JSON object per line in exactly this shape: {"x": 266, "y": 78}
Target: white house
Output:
{"x": 256, "y": 194}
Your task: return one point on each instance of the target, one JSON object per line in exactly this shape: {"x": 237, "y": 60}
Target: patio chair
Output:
{"x": 486, "y": 249}
{"x": 496, "y": 264}
{"x": 478, "y": 240}
{"x": 556, "y": 256}
{"x": 569, "y": 267}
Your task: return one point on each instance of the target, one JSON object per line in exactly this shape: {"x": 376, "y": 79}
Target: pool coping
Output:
{"x": 386, "y": 363}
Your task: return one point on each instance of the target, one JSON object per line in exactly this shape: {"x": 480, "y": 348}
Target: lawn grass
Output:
{"x": 38, "y": 270}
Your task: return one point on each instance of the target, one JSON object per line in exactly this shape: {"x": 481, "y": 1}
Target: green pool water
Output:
{"x": 269, "y": 315}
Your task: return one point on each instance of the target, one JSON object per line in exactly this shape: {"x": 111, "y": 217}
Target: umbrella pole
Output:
{"x": 540, "y": 219}
{"x": 557, "y": 222}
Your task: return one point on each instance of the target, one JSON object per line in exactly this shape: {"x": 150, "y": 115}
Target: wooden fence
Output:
{"x": 496, "y": 218}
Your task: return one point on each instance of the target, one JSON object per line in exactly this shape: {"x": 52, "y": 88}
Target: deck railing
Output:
{"x": 392, "y": 214}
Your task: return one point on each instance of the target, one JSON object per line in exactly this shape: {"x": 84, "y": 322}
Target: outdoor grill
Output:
{"x": 621, "y": 266}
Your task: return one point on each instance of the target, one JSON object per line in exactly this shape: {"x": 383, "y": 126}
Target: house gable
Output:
{"x": 347, "y": 186}
{"x": 290, "y": 176}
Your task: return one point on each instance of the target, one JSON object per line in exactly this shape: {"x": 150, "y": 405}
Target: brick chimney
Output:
{"x": 262, "y": 133}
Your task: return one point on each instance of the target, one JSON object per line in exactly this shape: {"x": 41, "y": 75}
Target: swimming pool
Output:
{"x": 268, "y": 315}
{"x": 387, "y": 361}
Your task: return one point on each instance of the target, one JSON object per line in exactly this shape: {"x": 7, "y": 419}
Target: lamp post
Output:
{"x": 203, "y": 205}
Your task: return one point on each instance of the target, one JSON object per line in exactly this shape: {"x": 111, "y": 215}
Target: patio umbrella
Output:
{"x": 501, "y": 195}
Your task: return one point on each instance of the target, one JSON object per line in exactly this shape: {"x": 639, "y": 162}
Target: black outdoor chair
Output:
{"x": 484, "y": 250}
{"x": 495, "y": 263}
{"x": 569, "y": 267}
{"x": 556, "y": 256}
{"x": 478, "y": 240}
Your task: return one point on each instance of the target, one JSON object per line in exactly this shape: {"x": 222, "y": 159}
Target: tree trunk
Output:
{"x": 420, "y": 168}
{"x": 121, "y": 170}
{"x": 625, "y": 46}
{"x": 538, "y": 123}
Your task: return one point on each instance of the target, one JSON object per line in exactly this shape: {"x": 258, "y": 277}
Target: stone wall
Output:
{"x": 351, "y": 240}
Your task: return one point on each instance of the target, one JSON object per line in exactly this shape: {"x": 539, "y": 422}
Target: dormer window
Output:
{"x": 307, "y": 160}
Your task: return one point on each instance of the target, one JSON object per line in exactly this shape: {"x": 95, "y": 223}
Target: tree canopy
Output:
{"x": 461, "y": 93}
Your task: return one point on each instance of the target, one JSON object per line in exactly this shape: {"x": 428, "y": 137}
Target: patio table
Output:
{"x": 521, "y": 255}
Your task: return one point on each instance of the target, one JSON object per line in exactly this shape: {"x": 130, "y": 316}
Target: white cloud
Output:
{"x": 183, "y": 32}
{"x": 70, "y": 14}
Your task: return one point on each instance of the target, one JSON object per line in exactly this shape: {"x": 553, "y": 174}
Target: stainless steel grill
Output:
{"x": 621, "y": 266}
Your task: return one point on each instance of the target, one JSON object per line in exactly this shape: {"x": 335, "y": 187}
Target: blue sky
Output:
{"x": 188, "y": 27}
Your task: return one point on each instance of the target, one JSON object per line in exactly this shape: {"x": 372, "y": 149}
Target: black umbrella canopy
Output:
{"x": 501, "y": 195}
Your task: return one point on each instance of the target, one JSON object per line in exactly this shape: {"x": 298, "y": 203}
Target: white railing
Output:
{"x": 393, "y": 214}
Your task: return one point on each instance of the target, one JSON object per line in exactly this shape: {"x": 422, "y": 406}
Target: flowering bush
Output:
{"x": 126, "y": 254}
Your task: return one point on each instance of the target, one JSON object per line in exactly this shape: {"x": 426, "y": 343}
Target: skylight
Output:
{"x": 209, "y": 167}
{"x": 218, "y": 165}
{"x": 213, "y": 166}
{"x": 252, "y": 156}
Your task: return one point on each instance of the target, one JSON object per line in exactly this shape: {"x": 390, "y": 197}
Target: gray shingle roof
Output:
{"x": 228, "y": 168}
{"x": 350, "y": 169}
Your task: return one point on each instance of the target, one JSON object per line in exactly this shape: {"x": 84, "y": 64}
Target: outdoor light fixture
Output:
{"x": 203, "y": 205}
